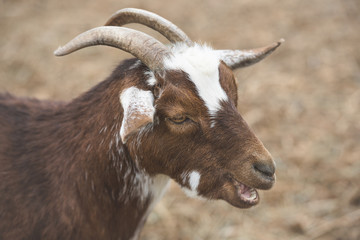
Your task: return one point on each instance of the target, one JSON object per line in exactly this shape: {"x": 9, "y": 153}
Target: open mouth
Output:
{"x": 244, "y": 194}
{"x": 247, "y": 194}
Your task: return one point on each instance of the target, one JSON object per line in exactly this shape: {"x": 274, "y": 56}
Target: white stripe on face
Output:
{"x": 201, "y": 63}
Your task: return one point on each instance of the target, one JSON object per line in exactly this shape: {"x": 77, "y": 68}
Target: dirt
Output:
{"x": 302, "y": 102}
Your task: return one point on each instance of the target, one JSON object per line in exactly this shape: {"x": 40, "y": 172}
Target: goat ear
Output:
{"x": 243, "y": 58}
{"x": 138, "y": 110}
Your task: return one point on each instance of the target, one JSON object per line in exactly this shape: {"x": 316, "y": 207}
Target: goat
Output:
{"x": 93, "y": 168}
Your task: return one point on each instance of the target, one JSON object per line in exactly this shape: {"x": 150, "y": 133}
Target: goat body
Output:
{"x": 64, "y": 173}
{"x": 93, "y": 168}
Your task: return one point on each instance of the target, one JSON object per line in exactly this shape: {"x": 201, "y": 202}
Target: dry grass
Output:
{"x": 303, "y": 102}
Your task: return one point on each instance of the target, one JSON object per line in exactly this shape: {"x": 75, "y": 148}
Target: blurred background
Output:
{"x": 303, "y": 102}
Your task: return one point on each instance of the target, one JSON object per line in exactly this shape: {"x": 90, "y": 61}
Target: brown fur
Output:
{"x": 57, "y": 180}
{"x": 64, "y": 177}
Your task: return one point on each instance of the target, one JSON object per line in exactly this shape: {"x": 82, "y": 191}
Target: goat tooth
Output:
{"x": 253, "y": 195}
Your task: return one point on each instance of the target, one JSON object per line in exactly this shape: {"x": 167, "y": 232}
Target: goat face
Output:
{"x": 191, "y": 131}
{"x": 182, "y": 120}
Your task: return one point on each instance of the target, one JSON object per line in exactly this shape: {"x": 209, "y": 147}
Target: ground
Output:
{"x": 302, "y": 102}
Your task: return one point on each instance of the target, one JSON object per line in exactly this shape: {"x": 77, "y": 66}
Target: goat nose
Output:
{"x": 265, "y": 168}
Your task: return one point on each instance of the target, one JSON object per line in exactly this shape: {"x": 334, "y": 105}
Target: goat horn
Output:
{"x": 146, "y": 48}
{"x": 243, "y": 58}
{"x": 152, "y": 20}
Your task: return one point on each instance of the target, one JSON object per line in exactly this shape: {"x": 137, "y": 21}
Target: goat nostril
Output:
{"x": 265, "y": 168}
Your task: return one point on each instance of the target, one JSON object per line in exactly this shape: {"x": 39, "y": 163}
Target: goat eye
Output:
{"x": 179, "y": 119}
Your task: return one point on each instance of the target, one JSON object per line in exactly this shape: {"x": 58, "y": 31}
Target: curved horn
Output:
{"x": 152, "y": 20}
{"x": 243, "y": 58}
{"x": 150, "y": 51}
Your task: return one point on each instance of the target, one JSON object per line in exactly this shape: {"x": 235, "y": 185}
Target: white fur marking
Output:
{"x": 92, "y": 186}
{"x": 184, "y": 177}
{"x": 135, "y": 65}
{"x": 194, "y": 179}
{"x": 158, "y": 186}
{"x": 88, "y": 147}
{"x": 151, "y": 81}
{"x": 202, "y": 64}
{"x": 103, "y": 130}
